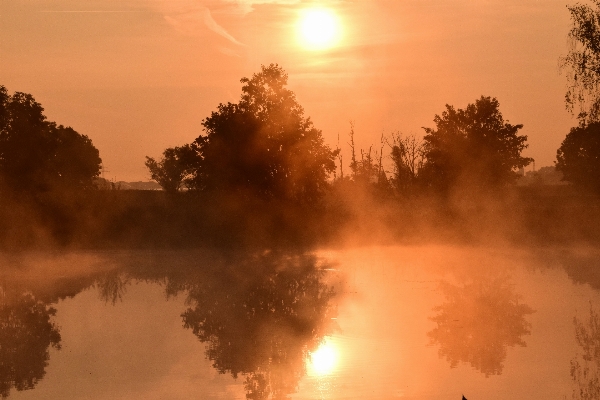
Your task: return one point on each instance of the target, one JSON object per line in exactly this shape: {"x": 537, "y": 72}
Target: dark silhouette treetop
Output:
{"x": 578, "y": 157}
{"x": 264, "y": 144}
{"x": 473, "y": 146}
{"x": 36, "y": 154}
{"x": 176, "y": 169}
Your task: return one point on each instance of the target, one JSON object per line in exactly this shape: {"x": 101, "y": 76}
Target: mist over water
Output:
{"x": 262, "y": 287}
{"x": 375, "y": 322}
{"x": 263, "y": 270}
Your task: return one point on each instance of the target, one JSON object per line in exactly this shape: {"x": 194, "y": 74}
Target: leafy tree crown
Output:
{"x": 578, "y": 157}
{"x": 473, "y": 146}
{"x": 36, "y": 154}
{"x": 263, "y": 143}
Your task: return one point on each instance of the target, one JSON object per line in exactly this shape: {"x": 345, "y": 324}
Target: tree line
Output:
{"x": 265, "y": 146}
{"x": 254, "y": 144}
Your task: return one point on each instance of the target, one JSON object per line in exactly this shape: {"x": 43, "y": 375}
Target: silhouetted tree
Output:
{"x": 369, "y": 168}
{"x": 75, "y": 161}
{"x": 578, "y": 157}
{"x": 582, "y": 62}
{"x": 367, "y": 174}
{"x": 477, "y": 323}
{"x": 473, "y": 146}
{"x": 264, "y": 144}
{"x": 36, "y": 154}
{"x": 179, "y": 167}
{"x": 407, "y": 155}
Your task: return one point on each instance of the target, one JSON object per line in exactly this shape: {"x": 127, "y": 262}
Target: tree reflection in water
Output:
{"x": 585, "y": 368}
{"x": 112, "y": 286}
{"x": 26, "y": 333}
{"x": 478, "y": 322}
{"x": 259, "y": 315}
{"x": 260, "y": 318}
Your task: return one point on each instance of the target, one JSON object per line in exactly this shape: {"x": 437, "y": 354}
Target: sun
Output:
{"x": 323, "y": 361}
{"x": 319, "y": 28}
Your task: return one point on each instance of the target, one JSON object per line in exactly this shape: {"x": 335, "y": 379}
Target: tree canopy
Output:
{"x": 473, "y": 146}
{"x": 578, "y": 157}
{"x": 176, "y": 169}
{"x": 264, "y": 144}
{"x": 582, "y": 63}
{"x": 38, "y": 155}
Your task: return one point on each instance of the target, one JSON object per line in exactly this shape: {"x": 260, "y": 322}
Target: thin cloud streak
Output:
{"x": 189, "y": 18}
{"x": 210, "y": 22}
{"x": 247, "y": 6}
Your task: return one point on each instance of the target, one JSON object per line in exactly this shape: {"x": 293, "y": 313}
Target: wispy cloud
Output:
{"x": 192, "y": 17}
{"x": 246, "y": 6}
{"x": 210, "y": 22}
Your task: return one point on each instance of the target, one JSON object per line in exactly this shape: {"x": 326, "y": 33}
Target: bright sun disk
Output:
{"x": 319, "y": 28}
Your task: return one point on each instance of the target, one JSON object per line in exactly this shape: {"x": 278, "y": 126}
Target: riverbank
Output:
{"x": 543, "y": 215}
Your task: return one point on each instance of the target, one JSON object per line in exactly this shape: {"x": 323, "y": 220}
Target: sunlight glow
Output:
{"x": 319, "y": 28}
{"x": 323, "y": 361}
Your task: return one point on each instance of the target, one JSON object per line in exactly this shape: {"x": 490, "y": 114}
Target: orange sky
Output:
{"x": 138, "y": 76}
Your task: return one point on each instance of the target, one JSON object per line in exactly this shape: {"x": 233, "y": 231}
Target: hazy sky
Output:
{"x": 138, "y": 76}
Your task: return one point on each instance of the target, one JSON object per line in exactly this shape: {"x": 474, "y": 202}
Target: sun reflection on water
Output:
{"x": 323, "y": 361}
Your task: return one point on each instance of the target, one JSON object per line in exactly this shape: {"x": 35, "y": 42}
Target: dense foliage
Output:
{"x": 261, "y": 145}
{"x": 38, "y": 155}
{"x": 578, "y": 157}
{"x": 176, "y": 169}
{"x": 264, "y": 143}
{"x": 472, "y": 147}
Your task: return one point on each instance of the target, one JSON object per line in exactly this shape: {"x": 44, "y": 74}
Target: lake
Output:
{"x": 397, "y": 322}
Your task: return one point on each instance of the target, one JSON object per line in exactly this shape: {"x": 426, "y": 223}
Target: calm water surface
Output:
{"x": 366, "y": 323}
